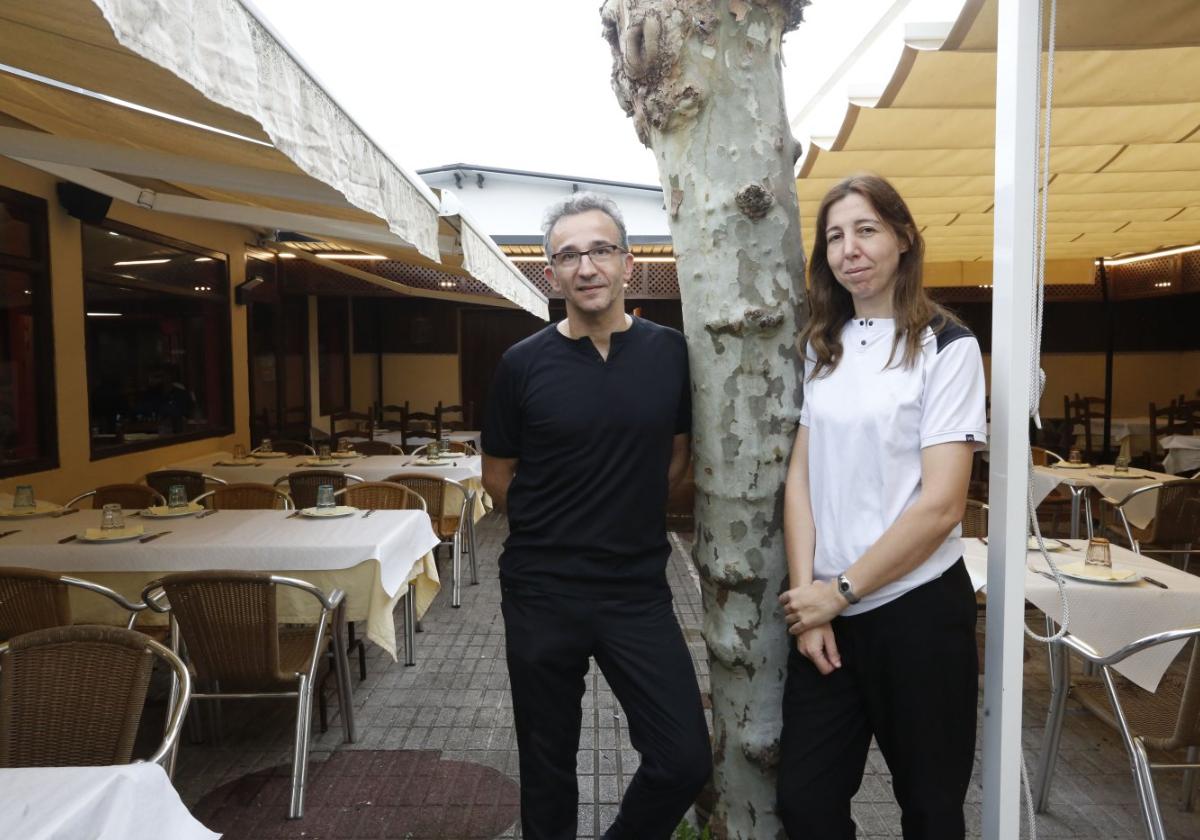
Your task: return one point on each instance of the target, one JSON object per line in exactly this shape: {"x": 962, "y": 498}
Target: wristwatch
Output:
{"x": 847, "y": 589}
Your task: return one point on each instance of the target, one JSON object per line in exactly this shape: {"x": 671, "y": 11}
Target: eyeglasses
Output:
{"x": 570, "y": 260}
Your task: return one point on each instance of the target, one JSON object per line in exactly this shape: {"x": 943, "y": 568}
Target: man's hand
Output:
{"x": 818, "y": 645}
{"x": 811, "y": 605}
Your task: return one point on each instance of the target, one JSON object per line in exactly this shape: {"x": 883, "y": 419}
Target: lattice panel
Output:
{"x": 1190, "y": 272}
{"x": 661, "y": 280}
{"x": 420, "y": 277}
{"x": 1148, "y": 278}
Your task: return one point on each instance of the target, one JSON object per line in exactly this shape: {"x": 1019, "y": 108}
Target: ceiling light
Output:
{"x": 654, "y": 259}
{"x": 286, "y": 256}
{"x": 516, "y": 258}
{"x": 143, "y": 262}
{"x": 203, "y": 259}
{"x": 104, "y": 314}
{"x": 341, "y": 256}
{"x": 1151, "y": 256}
{"x": 113, "y": 233}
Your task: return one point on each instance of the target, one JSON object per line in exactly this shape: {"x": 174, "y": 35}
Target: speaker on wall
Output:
{"x": 84, "y": 204}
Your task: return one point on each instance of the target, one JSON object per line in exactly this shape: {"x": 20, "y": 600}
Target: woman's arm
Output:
{"x": 909, "y": 542}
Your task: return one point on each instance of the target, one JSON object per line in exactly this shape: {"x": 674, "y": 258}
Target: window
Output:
{"x": 28, "y": 436}
{"x": 157, "y": 329}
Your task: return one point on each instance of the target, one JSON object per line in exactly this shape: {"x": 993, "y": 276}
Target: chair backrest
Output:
{"x": 73, "y": 696}
{"x": 382, "y": 495}
{"x": 246, "y": 496}
{"x": 1177, "y": 513}
{"x": 1043, "y": 457}
{"x": 33, "y": 599}
{"x": 1172, "y": 419}
{"x": 128, "y": 496}
{"x": 292, "y": 447}
{"x": 431, "y": 488}
{"x": 194, "y": 482}
{"x": 377, "y": 447}
{"x": 391, "y": 416}
{"x": 975, "y": 519}
{"x": 422, "y": 423}
{"x": 451, "y": 416}
{"x": 362, "y": 425}
{"x": 303, "y": 484}
{"x": 448, "y": 445}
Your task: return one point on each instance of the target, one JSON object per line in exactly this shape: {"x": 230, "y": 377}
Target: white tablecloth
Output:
{"x": 1131, "y": 433}
{"x": 465, "y": 436}
{"x": 1110, "y": 616}
{"x": 128, "y": 802}
{"x": 372, "y": 559}
{"x": 1183, "y": 453}
{"x": 1140, "y": 511}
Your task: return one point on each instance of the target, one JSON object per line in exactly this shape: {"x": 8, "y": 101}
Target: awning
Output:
{"x": 1125, "y": 156}
{"x": 227, "y": 125}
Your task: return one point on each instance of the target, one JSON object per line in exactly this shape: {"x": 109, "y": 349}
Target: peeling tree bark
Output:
{"x": 702, "y": 80}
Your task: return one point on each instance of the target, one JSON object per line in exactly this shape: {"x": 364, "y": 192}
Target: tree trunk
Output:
{"x": 702, "y": 80}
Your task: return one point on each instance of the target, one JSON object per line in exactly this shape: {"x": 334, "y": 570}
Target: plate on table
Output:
{"x": 348, "y": 453}
{"x": 1051, "y": 544}
{"x": 165, "y": 512}
{"x": 38, "y": 509}
{"x": 1067, "y": 465}
{"x": 269, "y": 455}
{"x": 236, "y": 462}
{"x": 425, "y": 462}
{"x": 1099, "y": 574}
{"x": 1109, "y": 473}
{"x": 129, "y": 532}
{"x": 329, "y": 513}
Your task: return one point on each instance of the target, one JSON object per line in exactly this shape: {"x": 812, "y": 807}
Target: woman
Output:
{"x": 880, "y": 607}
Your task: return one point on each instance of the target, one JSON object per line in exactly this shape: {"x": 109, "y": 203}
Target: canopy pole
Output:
{"x": 1017, "y": 60}
{"x": 1109, "y": 338}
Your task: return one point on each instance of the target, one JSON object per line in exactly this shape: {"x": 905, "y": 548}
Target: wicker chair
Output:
{"x": 381, "y": 495}
{"x": 291, "y": 447}
{"x": 246, "y": 496}
{"x": 377, "y": 447}
{"x": 1167, "y": 720}
{"x": 73, "y": 697}
{"x": 32, "y": 599}
{"x": 1175, "y": 528}
{"x": 228, "y": 622}
{"x": 194, "y": 483}
{"x": 128, "y": 496}
{"x": 457, "y": 531}
{"x": 465, "y": 447}
{"x": 975, "y": 519}
{"x": 302, "y": 485}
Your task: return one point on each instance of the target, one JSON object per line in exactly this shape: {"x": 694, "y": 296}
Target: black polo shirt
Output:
{"x": 593, "y": 440}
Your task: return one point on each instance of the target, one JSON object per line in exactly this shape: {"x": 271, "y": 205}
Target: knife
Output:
{"x": 4, "y": 534}
{"x": 65, "y": 512}
{"x": 1154, "y": 582}
{"x": 364, "y": 516}
{"x": 68, "y": 539}
{"x": 150, "y": 537}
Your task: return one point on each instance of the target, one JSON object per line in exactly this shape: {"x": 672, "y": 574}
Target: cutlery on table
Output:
{"x": 292, "y": 515}
{"x": 1046, "y": 575}
{"x": 65, "y": 512}
{"x": 205, "y": 513}
{"x": 68, "y": 539}
{"x": 4, "y": 534}
{"x": 1154, "y": 582}
{"x": 364, "y": 516}
{"x": 150, "y": 537}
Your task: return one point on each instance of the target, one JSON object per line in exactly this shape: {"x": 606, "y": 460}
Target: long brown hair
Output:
{"x": 830, "y": 306}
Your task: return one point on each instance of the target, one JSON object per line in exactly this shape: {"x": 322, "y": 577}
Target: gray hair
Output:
{"x": 582, "y": 202}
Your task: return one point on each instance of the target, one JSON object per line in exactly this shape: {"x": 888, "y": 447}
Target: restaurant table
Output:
{"x": 1103, "y": 478}
{"x": 376, "y": 560}
{"x": 122, "y": 802}
{"x": 1128, "y": 433}
{"x": 465, "y": 469}
{"x": 1183, "y": 453}
{"x": 472, "y": 437}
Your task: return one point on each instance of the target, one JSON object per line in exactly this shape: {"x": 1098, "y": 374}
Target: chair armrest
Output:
{"x": 1092, "y": 655}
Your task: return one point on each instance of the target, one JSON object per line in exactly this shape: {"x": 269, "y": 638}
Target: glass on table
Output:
{"x": 111, "y": 517}
{"x": 177, "y": 496}
{"x": 1098, "y": 553}
{"x": 323, "y": 451}
{"x": 1075, "y": 457}
{"x": 239, "y": 452}
{"x": 23, "y": 497}
{"x": 325, "y": 496}
{"x": 1121, "y": 464}
{"x": 265, "y": 446}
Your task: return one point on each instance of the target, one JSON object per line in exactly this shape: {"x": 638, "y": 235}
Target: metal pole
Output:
{"x": 1109, "y": 330}
{"x": 1017, "y": 56}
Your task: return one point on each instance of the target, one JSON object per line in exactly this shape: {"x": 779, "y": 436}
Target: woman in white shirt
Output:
{"x": 880, "y": 608}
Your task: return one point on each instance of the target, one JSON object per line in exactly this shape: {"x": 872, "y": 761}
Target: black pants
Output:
{"x": 909, "y": 677}
{"x": 641, "y": 652}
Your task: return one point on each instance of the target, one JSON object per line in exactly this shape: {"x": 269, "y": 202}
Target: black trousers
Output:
{"x": 910, "y": 678}
{"x": 641, "y": 652}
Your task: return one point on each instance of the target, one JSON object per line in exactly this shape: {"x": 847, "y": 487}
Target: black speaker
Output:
{"x": 84, "y": 204}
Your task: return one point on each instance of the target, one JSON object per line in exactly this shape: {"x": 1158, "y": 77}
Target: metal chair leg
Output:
{"x": 351, "y": 643}
{"x": 341, "y": 661}
{"x": 1189, "y": 779}
{"x": 471, "y": 544}
{"x": 410, "y": 615}
{"x": 1054, "y": 724}
{"x": 300, "y": 747}
{"x": 456, "y": 571}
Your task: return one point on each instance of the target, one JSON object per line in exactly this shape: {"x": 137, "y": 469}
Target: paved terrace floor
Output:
{"x": 437, "y": 755}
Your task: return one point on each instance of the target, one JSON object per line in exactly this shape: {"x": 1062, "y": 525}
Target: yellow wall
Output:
{"x": 1138, "y": 379}
{"x": 421, "y": 378}
{"x": 77, "y": 472}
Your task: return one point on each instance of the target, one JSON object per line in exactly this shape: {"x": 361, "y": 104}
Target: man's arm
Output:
{"x": 681, "y": 455}
{"x": 497, "y": 475}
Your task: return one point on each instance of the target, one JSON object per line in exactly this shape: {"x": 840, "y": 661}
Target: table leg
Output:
{"x": 1060, "y": 686}
{"x": 410, "y": 621}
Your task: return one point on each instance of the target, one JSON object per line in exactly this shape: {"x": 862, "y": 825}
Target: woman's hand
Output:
{"x": 819, "y": 646}
{"x": 810, "y": 605}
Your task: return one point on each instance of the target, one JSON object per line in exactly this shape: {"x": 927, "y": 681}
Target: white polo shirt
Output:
{"x": 867, "y": 424}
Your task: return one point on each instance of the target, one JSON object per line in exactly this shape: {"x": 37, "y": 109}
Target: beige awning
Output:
{"x": 226, "y": 124}
{"x": 1125, "y": 156}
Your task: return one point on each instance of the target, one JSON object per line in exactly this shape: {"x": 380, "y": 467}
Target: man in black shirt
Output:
{"x": 587, "y": 426}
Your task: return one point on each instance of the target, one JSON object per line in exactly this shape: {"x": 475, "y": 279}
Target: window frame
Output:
{"x": 227, "y": 425}
{"x": 40, "y": 270}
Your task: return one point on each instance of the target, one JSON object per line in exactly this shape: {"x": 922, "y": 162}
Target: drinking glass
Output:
{"x": 323, "y": 451}
{"x": 1121, "y": 464}
{"x": 325, "y": 496}
{"x": 265, "y": 446}
{"x": 111, "y": 518}
{"x": 177, "y": 496}
{"x": 1098, "y": 553}
{"x": 239, "y": 452}
{"x": 1075, "y": 456}
{"x": 23, "y": 497}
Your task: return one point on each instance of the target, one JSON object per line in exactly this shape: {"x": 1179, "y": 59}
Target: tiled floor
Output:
{"x": 443, "y": 762}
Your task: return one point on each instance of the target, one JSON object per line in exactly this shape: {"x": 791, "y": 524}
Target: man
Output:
{"x": 587, "y": 425}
